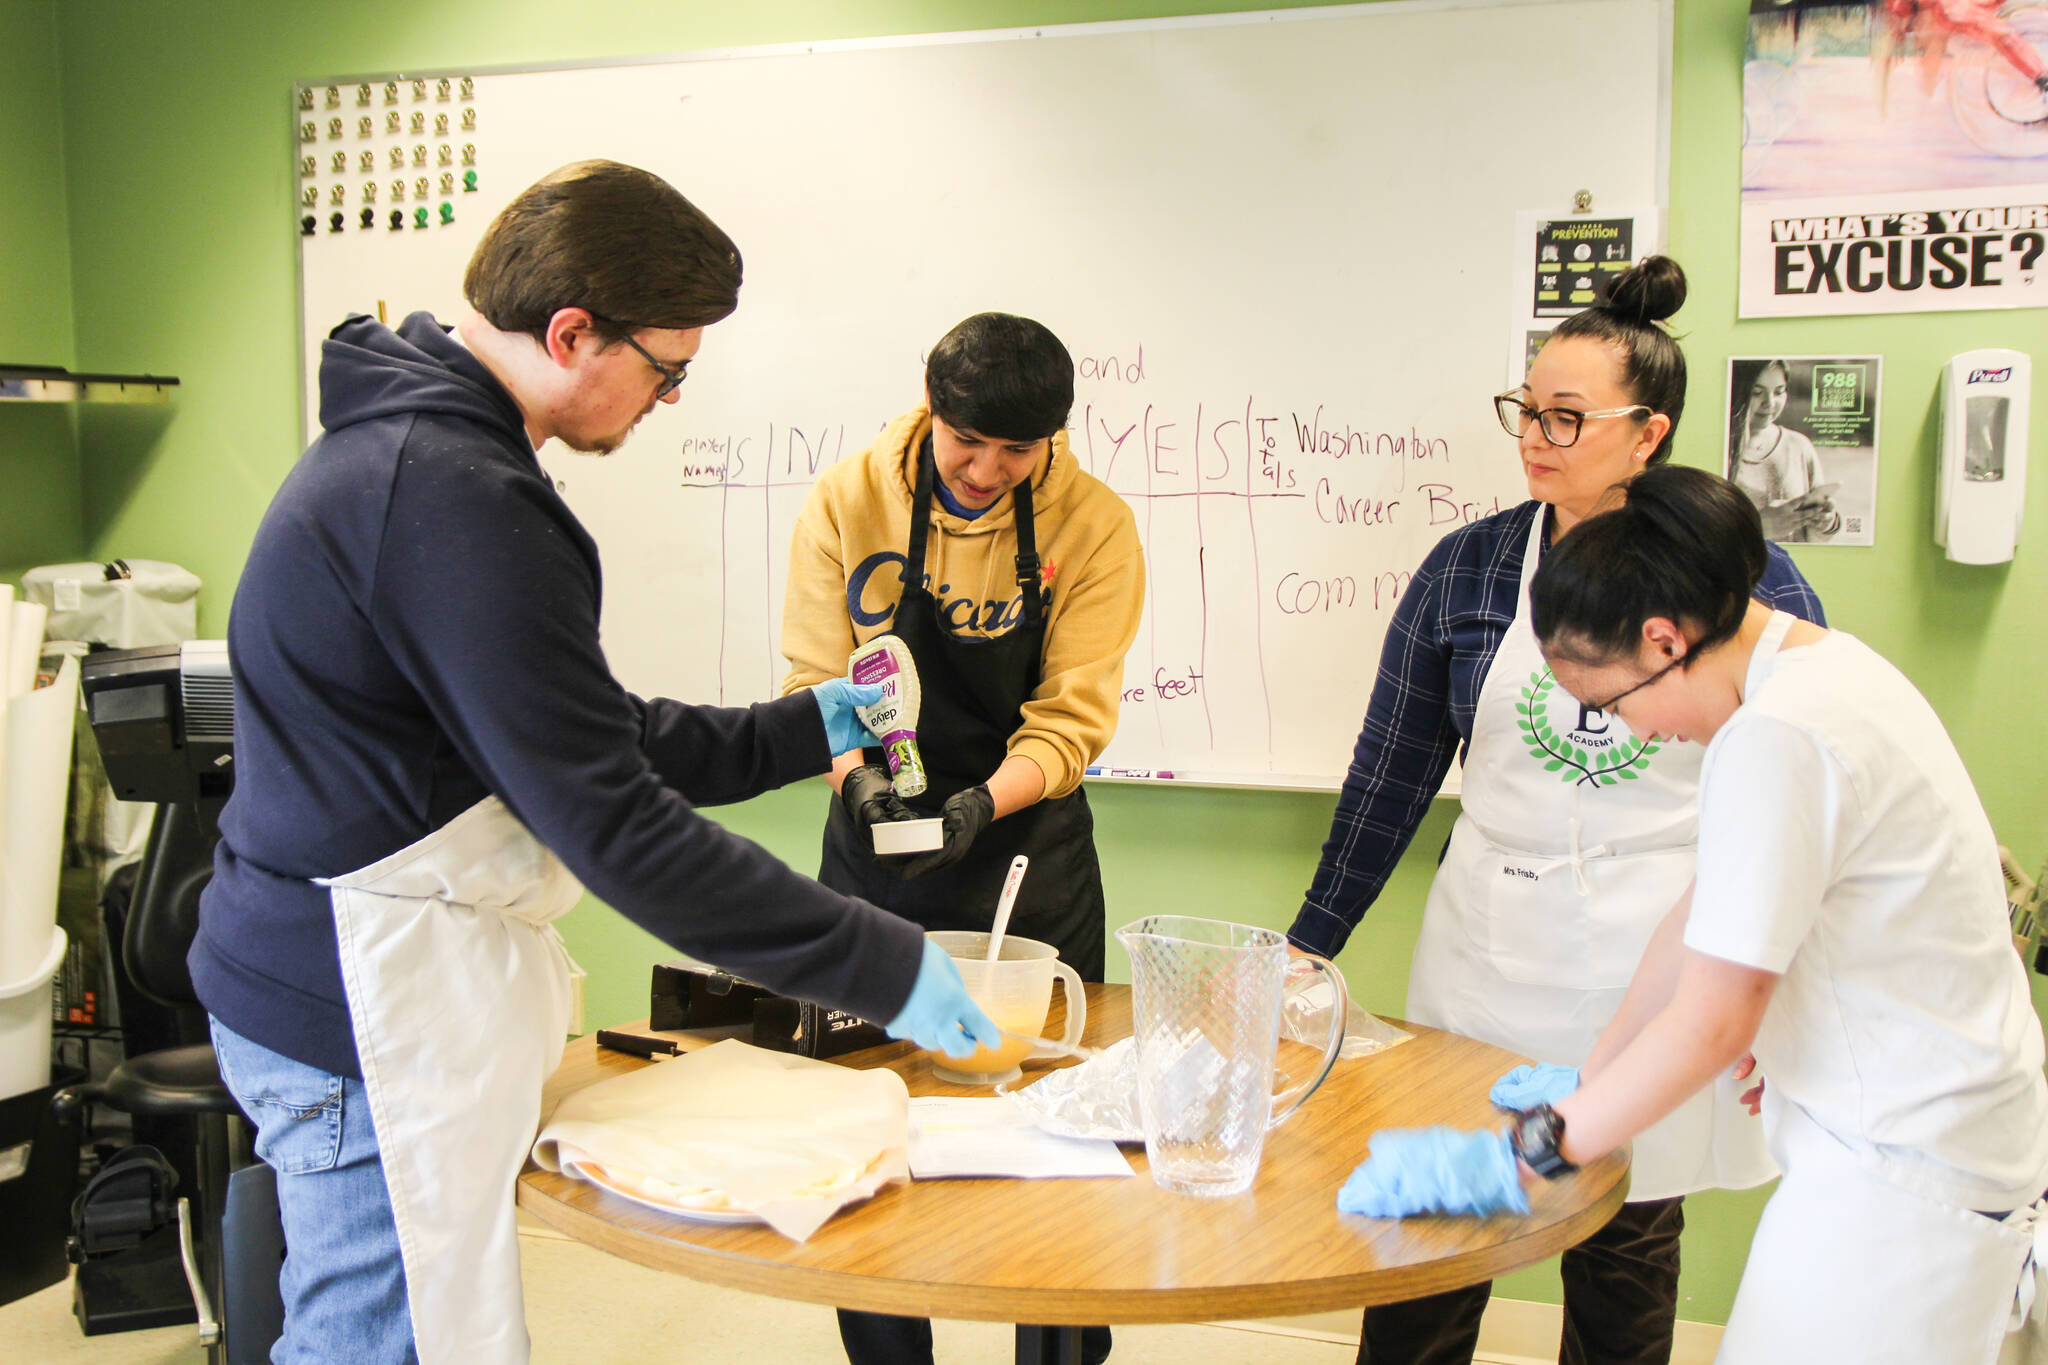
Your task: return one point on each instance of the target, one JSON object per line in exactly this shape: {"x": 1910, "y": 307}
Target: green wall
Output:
{"x": 39, "y": 477}
{"x": 176, "y": 151}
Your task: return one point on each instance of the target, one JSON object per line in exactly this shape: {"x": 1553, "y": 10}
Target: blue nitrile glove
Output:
{"x": 1528, "y": 1086}
{"x": 836, "y": 698}
{"x": 1434, "y": 1170}
{"x": 939, "y": 1016}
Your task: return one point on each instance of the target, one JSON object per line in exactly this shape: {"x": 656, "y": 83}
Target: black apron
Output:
{"x": 973, "y": 690}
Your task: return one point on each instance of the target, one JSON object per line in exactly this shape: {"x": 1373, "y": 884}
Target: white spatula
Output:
{"x": 1004, "y": 905}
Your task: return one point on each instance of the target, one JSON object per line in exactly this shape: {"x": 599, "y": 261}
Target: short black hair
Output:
{"x": 1685, "y": 545}
{"x": 1001, "y": 376}
{"x": 614, "y": 239}
{"x": 1652, "y": 365}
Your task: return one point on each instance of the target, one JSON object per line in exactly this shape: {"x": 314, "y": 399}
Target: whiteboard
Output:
{"x": 1278, "y": 246}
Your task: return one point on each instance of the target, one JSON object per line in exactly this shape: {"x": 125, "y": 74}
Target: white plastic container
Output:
{"x": 25, "y": 1024}
{"x": 910, "y": 836}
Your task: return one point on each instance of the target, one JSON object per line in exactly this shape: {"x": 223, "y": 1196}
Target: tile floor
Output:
{"x": 585, "y": 1307}
{"x": 589, "y": 1308}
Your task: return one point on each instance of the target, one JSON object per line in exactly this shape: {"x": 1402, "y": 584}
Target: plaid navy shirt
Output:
{"x": 1442, "y": 640}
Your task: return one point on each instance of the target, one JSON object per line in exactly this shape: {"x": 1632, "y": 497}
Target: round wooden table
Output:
{"x": 1069, "y": 1252}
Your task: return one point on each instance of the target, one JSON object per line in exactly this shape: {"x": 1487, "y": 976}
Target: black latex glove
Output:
{"x": 966, "y": 815}
{"x": 870, "y": 799}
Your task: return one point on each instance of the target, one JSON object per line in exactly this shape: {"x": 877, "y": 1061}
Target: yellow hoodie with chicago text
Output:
{"x": 846, "y": 564}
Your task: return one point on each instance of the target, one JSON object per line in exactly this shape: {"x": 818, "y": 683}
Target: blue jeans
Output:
{"x": 343, "y": 1280}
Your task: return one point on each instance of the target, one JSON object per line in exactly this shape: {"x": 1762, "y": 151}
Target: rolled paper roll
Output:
{"x": 35, "y": 773}
{"x": 25, "y": 636}
{"x": 6, "y": 674}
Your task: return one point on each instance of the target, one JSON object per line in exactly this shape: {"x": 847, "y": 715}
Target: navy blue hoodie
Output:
{"x": 417, "y": 629}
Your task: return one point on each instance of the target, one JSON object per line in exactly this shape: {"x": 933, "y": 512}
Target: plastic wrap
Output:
{"x": 1305, "y": 1017}
{"x": 1097, "y": 1099}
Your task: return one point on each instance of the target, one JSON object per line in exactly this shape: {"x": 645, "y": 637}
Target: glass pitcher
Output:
{"x": 1205, "y": 1008}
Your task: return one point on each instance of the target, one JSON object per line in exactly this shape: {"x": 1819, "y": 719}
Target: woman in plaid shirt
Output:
{"x": 1575, "y": 836}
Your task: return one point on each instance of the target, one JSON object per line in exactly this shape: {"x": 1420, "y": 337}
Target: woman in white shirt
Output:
{"x": 1846, "y": 925}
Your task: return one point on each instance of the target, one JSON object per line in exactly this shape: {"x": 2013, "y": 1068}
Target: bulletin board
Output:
{"x": 1278, "y": 245}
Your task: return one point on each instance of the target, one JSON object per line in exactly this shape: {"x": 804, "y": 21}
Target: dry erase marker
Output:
{"x": 636, "y": 1044}
{"x": 1128, "y": 772}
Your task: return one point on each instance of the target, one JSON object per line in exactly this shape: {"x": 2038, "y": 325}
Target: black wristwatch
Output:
{"x": 1536, "y": 1136}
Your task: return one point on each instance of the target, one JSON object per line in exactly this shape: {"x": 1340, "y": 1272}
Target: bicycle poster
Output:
{"x": 1894, "y": 157}
{"x": 1801, "y": 440}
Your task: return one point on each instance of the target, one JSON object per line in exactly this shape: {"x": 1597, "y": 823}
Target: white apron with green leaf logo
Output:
{"x": 1575, "y": 840}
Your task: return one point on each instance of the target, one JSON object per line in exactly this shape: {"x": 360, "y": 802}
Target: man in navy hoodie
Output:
{"x": 432, "y": 761}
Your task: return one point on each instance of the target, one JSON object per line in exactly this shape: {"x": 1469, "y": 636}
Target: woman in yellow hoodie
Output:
{"x": 970, "y": 531}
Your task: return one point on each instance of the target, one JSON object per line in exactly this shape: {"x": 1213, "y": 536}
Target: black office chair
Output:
{"x": 134, "y": 1239}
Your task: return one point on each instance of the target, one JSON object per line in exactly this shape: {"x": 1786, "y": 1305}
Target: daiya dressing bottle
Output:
{"x": 886, "y": 660}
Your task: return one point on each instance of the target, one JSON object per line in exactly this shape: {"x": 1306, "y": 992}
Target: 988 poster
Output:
{"x": 1801, "y": 441}
{"x": 1894, "y": 157}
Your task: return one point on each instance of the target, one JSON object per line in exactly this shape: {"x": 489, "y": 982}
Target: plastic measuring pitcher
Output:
{"x": 1205, "y": 1007}
{"x": 1016, "y": 992}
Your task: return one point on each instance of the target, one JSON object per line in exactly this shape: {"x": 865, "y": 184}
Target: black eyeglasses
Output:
{"x": 1561, "y": 426}
{"x": 672, "y": 376}
{"x": 1616, "y": 700}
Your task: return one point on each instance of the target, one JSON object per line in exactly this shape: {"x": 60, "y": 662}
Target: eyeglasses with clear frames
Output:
{"x": 672, "y": 376}
{"x": 1561, "y": 426}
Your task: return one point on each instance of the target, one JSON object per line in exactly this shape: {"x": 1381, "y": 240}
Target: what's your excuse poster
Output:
{"x": 1894, "y": 157}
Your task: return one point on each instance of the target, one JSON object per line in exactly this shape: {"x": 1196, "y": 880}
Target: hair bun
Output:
{"x": 1650, "y": 291}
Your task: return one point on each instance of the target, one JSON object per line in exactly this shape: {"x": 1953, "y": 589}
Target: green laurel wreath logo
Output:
{"x": 1559, "y": 755}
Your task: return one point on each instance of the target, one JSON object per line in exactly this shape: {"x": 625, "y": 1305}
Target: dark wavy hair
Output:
{"x": 617, "y": 240}
{"x": 1683, "y": 544}
{"x": 1001, "y": 376}
{"x": 1652, "y": 366}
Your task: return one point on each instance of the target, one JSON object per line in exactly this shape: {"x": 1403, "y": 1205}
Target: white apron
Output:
{"x": 459, "y": 991}
{"x": 1575, "y": 841}
{"x": 1851, "y": 1265}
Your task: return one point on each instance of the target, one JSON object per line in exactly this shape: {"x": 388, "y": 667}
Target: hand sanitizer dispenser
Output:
{"x": 1983, "y": 455}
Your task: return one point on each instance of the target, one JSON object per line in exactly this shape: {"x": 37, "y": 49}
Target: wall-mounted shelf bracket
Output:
{"x": 54, "y": 384}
